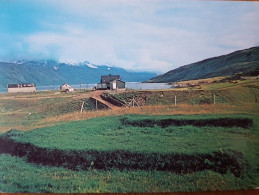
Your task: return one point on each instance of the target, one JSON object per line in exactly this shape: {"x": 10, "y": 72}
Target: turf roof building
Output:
{"x": 111, "y": 82}
{"x": 23, "y": 87}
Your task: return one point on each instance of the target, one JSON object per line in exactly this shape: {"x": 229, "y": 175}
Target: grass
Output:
{"x": 226, "y": 93}
{"x": 109, "y": 133}
{"x": 158, "y": 147}
{"x": 23, "y": 111}
{"x": 182, "y": 109}
{"x": 128, "y": 145}
{"x": 36, "y": 178}
{"x": 26, "y": 111}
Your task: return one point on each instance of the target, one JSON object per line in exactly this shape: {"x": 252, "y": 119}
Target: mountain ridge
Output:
{"x": 241, "y": 61}
{"x": 51, "y": 72}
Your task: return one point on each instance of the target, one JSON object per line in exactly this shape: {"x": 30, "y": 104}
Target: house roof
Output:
{"x": 21, "y": 85}
{"x": 117, "y": 81}
{"x": 109, "y": 78}
{"x": 65, "y": 85}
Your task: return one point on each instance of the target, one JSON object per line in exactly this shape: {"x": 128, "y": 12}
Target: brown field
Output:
{"x": 181, "y": 109}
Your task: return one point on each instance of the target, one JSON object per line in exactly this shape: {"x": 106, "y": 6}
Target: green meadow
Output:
{"x": 48, "y": 145}
{"x": 133, "y": 153}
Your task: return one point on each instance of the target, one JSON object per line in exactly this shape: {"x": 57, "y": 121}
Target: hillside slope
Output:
{"x": 50, "y": 72}
{"x": 243, "y": 61}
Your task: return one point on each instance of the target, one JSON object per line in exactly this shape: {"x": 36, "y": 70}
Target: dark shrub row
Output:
{"x": 125, "y": 160}
{"x": 218, "y": 122}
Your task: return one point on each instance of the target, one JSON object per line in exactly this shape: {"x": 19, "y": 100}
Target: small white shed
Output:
{"x": 66, "y": 88}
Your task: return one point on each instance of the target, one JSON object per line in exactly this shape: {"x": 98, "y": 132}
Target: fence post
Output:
{"x": 82, "y": 107}
{"x": 96, "y": 107}
{"x": 175, "y": 100}
{"x": 214, "y": 99}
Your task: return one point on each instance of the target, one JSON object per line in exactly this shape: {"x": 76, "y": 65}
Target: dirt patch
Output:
{"x": 219, "y": 122}
{"x": 125, "y": 160}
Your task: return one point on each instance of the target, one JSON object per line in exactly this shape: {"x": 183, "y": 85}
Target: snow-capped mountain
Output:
{"x": 52, "y": 72}
{"x": 91, "y": 65}
{"x": 77, "y": 63}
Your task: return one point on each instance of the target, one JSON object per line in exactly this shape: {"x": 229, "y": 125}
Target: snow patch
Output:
{"x": 73, "y": 62}
{"x": 70, "y": 62}
{"x": 55, "y": 67}
{"x": 20, "y": 61}
{"x": 91, "y": 66}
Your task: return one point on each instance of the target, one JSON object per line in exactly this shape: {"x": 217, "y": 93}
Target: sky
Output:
{"x": 138, "y": 35}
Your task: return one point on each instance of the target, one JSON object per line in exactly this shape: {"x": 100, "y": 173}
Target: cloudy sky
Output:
{"x": 154, "y": 35}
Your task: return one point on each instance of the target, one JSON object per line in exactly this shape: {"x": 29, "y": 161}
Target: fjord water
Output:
{"x": 129, "y": 85}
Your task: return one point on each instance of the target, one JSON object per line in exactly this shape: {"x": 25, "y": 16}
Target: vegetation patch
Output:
{"x": 19, "y": 176}
{"x": 218, "y": 122}
{"x": 113, "y": 100}
{"x": 125, "y": 160}
{"x": 100, "y": 105}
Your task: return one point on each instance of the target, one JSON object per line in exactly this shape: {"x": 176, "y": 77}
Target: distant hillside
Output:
{"x": 50, "y": 72}
{"x": 243, "y": 61}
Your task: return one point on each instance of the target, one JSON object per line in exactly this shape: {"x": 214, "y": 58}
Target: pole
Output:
{"x": 96, "y": 107}
{"x": 175, "y": 100}
{"x": 82, "y": 107}
{"x": 214, "y": 99}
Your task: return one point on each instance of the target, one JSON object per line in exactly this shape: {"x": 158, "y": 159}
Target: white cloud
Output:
{"x": 156, "y": 35}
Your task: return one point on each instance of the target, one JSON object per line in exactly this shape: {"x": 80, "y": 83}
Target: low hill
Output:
{"x": 50, "y": 72}
{"x": 244, "y": 61}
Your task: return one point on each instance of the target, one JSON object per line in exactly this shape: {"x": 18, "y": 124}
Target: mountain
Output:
{"x": 50, "y": 72}
{"x": 244, "y": 61}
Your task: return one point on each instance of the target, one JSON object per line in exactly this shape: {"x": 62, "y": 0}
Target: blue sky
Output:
{"x": 154, "y": 35}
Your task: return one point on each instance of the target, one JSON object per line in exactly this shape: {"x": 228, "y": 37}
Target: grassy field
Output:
{"x": 26, "y": 111}
{"x": 141, "y": 133}
{"x": 231, "y": 93}
{"x": 36, "y": 178}
{"x": 181, "y": 148}
{"x": 158, "y": 147}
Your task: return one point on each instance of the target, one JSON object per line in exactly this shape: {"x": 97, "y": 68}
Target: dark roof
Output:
{"x": 21, "y": 85}
{"x": 65, "y": 84}
{"x": 109, "y": 78}
{"x": 118, "y": 81}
